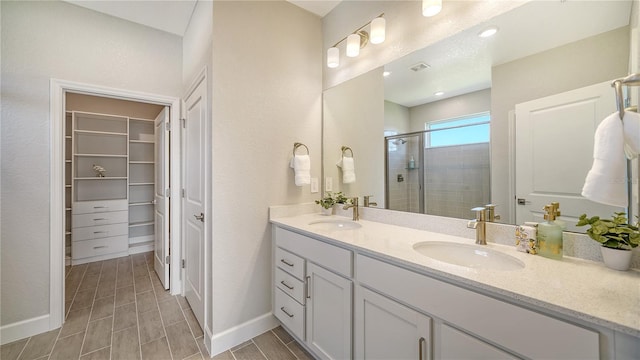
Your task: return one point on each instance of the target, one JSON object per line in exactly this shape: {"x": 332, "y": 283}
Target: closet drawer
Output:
{"x": 97, "y": 232}
{"x": 293, "y": 264}
{"x": 96, "y": 247}
{"x": 104, "y": 218}
{"x": 290, "y": 313}
{"x": 290, "y": 285}
{"x": 87, "y": 207}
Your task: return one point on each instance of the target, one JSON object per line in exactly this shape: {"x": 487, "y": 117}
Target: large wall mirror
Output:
{"x": 436, "y": 132}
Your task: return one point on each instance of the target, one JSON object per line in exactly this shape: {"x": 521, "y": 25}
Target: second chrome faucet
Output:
{"x": 484, "y": 214}
{"x": 354, "y": 206}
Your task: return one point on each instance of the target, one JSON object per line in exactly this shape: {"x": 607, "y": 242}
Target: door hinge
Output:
{"x": 166, "y": 260}
{"x": 183, "y": 122}
{"x": 167, "y": 192}
{"x": 167, "y": 126}
{"x": 182, "y": 192}
{"x": 182, "y": 264}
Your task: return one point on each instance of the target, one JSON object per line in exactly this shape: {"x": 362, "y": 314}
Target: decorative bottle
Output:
{"x": 550, "y": 233}
{"x": 412, "y": 163}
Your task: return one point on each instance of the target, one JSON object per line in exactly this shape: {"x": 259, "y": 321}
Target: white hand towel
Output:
{"x": 606, "y": 181}
{"x": 631, "y": 134}
{"x": 348, "y": 170}
{"x": 301, "y": 165}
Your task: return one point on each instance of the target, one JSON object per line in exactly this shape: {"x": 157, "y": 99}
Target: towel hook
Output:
{"x": 296, "y": 145}
{"x": 345, "y": 148}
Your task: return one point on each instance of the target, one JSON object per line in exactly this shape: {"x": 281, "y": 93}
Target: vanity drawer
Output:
{"x": 96, "y": 247}
{"x": 290, "y": 263}
{"x": 105, "y": 218}
{"x": 87, "y": 207}
{"x": 290, "y": 313}
{"x": 290, "y": 285}
{"x": 337, "y": 259}
{"x": 97, "y": 232}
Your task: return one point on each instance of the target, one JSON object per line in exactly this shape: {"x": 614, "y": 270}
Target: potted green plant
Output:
{"x": 617, "y": 237}
{"x": 331, "y": 199}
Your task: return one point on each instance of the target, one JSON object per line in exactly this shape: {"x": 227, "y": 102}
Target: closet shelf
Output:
{"x": 141, "y": 203}
{"x": 102, "y": 178}
{"x": 142, "y": 141}
{"x": 140, "y": 223}
{"x": 101, "y": 155}
{"x": 140, "y": 184}
{"x": 141, "y": 119}
{"x": 141, "y": 162}
{"x": 100, "y": 132}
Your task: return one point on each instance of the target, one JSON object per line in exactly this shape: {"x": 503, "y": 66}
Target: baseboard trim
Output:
{"x": 23, "y": 329}
{"x": 236, "y": 335}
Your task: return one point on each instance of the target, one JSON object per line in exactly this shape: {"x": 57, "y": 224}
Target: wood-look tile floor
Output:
{"x": 118, "y": 309}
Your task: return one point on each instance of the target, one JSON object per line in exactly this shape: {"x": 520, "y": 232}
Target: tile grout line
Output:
{"x": 113, "y": 319}
{"x": 93, "y": 301}
{"x": 285, "y": 345}
{"x": 258, "y": 347}
{"x": 155, "y": 296}
{"x": 190, "y": 329}
{"x": 25, "y": 346}
{"x": 135, "y": 296}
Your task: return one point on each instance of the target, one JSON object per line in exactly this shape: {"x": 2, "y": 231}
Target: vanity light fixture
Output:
{"x": 358, "y": 40}
{"x": 490, "y": 31}
{"x": 431, "y": 7}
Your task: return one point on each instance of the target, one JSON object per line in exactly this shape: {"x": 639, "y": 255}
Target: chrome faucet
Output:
{"x": 479, "y": 223}
{"x": 354, "y": 206}
{"x": 368, "y": 202}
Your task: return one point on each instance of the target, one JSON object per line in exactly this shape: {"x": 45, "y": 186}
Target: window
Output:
{"x": 470, "y": 129}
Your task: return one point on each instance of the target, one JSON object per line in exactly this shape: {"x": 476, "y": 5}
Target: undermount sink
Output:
{"x": 335, "y": 224}
{"x": 475, "y": 257}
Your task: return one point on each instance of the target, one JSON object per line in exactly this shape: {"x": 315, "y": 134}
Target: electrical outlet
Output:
{"x": 328, "y": 184}
{"x": 314, "y": 185}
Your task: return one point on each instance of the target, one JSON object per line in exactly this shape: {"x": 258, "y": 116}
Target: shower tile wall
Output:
{"x": 457, "y": 179}
{"x": 398, "y": 195}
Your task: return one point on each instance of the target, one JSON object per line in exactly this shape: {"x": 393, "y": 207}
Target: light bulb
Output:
{"x": 431, "y": 7}
{"x": 377, "y": 30}
{"x": 353, "y": 45}
{"x": 333, "y": 57}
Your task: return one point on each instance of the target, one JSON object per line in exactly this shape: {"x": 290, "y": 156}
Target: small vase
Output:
{"x": 617, "y": 259}
{"x": 326, "y": 212}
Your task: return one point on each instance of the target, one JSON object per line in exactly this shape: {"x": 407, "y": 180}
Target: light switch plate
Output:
{"x": 314, "y": 185}
{"x": 328, "y": 184}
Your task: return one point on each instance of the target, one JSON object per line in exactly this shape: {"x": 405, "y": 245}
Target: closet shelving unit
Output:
{"x": 68, "y": 187}
{"x": 110, "y": 214}
{"x": 141, "y": 185}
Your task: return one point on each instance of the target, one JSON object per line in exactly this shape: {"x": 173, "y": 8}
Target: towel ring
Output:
{"x": 345, "y": 148}
{"x": 296, "y": 145}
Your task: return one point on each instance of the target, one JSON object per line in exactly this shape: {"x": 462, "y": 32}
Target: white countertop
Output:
{"x": 578, "y": 288}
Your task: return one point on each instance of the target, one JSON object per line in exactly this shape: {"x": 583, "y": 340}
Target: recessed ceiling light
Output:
{"x": 386, "y": 73}
{"x": 439, "y": 93}
{"x": 490, "y": 31}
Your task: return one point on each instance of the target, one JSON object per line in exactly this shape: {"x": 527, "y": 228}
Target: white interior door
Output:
{"x": 161, "y": 216}
{"x": 554, "y": 148}
{"x": 194, "y": 198}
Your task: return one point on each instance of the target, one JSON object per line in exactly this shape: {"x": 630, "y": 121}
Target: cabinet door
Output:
{"x": 455, "y": 344}
{"x": 328, "y": 313}
{"x": 386, "y": 329}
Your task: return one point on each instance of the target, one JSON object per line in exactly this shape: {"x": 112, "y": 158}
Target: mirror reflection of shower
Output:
{"x": 440, "y": 171}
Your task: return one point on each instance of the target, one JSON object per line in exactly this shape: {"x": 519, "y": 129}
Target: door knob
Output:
{"x": 199, "y": 217}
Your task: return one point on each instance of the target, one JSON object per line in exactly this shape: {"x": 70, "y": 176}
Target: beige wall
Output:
{"x": 457, "y": 106}
{"x": 396, "y": 117}
{"x": 585, "y": 62}
{"x": 348, "y": 109}
{"x": 267, "y": 85}
{"x": 52, "y": 39}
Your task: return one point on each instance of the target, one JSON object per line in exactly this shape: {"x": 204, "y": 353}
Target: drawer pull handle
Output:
{"x": 100, "y": 207}
{"x": 286, "y": 262}
{"x": 308, "y": 287}
{"x": 99, "y": 232}
{"x": 286, "y": 285}
{"x": 286, "y": 312}
{"x": 99, "y": 219}
{"x": 100, "y": 247}
{"x": 421, "y": 344}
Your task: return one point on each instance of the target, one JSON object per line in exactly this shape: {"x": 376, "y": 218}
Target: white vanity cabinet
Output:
{"x": 386, "y": 329}
{"x": 313, "y": 293}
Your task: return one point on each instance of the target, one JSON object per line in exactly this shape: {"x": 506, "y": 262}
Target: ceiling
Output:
{"x": 462, "y": 63}
{"x": 173, "y": 16}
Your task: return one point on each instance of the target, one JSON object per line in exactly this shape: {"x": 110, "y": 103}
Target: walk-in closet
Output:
{"x": 109, "y": 177}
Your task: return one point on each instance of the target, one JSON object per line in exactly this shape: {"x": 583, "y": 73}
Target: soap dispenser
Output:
{"x": 550, "y": 233}
{"x": 412, "y": 163}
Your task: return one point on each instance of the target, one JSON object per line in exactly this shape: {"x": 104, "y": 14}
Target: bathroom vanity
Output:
{"x": 362, "y": 290}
